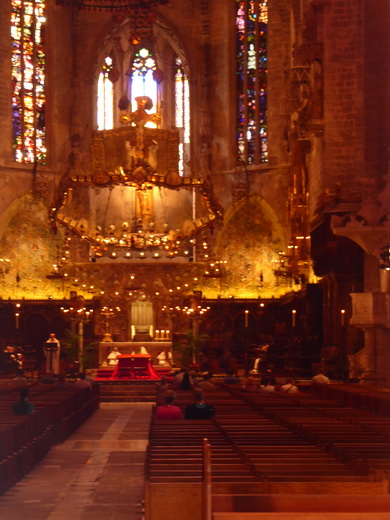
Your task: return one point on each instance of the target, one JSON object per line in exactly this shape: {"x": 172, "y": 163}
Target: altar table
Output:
{"x": 134, "y": 366}
{"x": 129, "y": 347}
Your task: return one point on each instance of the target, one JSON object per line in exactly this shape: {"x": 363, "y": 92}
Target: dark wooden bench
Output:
{"x": 25, "y": 440}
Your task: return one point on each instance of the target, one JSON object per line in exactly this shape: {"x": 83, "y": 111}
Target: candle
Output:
{"x": 294, "y": 316}
{"x": 162, "y": 334}
{"x": 246, "y": 318}
{"x": 157, "y": 334}
{"x": 342, "y": 317}
{"x": 17, "y": 320}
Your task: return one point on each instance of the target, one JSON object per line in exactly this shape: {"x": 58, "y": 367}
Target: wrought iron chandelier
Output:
{"x": 113, "y": 5}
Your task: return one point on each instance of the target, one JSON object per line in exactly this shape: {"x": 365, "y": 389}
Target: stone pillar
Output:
{"x": 370, "y": 352}
{"x": 370, "y": 313}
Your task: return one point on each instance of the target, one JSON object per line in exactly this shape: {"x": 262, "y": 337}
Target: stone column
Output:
{"x": 370, "y": 352}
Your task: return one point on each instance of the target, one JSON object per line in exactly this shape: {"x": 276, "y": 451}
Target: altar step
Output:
{"x": 106, "y": 373}
{"x": 127, "y": 392}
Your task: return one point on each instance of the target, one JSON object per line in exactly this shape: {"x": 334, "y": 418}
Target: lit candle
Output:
{"x": 246, "y": 318}
{"x": 294, "y": 317}
{"x": 17, "y": 320}
{"x": 342, "y": 312}
{"x": 162, "y": 334}
{"x": 157, "y": 334}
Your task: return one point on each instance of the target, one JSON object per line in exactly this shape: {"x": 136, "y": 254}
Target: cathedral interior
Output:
{"x": 227, "y": 173}
{"x": 215, "y": 171}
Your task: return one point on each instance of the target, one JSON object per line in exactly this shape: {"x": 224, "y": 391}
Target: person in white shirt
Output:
{"x": 51, "y": 351}
{"x": 289, "y": 387}
{"x": 112, "y": 356}
{"x": 320, "y": 379}
{"x": 164, "y": 358}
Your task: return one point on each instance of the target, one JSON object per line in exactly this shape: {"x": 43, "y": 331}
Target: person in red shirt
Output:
{"x": 168, "y": 411}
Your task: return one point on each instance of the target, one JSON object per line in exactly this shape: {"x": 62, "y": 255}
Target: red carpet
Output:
{"x": 107, "y": 374}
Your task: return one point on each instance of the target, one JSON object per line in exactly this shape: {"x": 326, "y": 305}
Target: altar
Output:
{"x": 136, "y": 366}
{"x": 154, "y": 348}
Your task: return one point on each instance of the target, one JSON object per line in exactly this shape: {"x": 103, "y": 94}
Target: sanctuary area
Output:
{"x": 196, "y": 190}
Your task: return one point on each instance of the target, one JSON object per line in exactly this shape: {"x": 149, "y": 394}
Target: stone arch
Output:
{"x": 250, "y": 241}
{"x": 26, "y": 240}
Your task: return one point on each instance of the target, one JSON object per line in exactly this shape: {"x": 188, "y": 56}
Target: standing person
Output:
{"x": 168, "y": 411}
{"x": 23, "y": 406}
{"x": 51, "y": 351}
{"x": 199, "y": 409}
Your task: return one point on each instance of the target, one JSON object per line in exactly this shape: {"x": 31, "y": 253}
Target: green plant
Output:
{"x": 70, "y": 348}
{"x": 188, "y": 348}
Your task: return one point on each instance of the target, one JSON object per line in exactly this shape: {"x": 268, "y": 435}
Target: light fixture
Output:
{"x": 385, "y": 257}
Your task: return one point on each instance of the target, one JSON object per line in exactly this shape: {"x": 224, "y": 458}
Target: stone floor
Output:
{"x": 96, "y": 474}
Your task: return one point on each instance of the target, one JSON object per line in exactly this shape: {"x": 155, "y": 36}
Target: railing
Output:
{"x": 206, "y": 480}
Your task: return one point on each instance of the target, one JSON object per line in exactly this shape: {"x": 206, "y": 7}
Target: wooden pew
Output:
{"x": 24, "y": 440}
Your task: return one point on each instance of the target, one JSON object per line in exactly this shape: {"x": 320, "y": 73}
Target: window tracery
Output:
{"x": 105, "y": 96}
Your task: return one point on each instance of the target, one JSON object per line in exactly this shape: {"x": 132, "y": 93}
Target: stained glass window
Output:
{"x": 28, "y": 80}
{"x": 251, "y": 37}
{"x": 105, "y": 99}
{"x": 182, "y": 115}
{"x": 142, "y": 79}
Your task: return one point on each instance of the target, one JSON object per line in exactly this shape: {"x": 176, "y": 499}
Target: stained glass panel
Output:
{"x": 251, "y": 48}
{"x": 28, "y": 80}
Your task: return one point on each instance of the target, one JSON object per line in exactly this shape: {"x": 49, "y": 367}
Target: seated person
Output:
{"x": 186, "y": 383}
{"x": 62, "y": 382}
{"x": 161, "y": 388}
{"x": 89, "y": 377}
{"x": 182, "y": 380}
{"x": 178, "y": 377}
{"x": 262, "y": 354}
{"x": 20, "y": 378}
{"x": 231, "y": 378}
{"x": 250, "y": 385}
{"x": 168, "y": 411}
{"x": 266, "y": 386}
{"x": 289, "y": 387}
{"x": 199, "y": 409}
{"x": 143, "y": 350}
{"x": 82, "y": 382}
{"x": 49, "y": 378}
{"x": 164, "y": 358}
{"x": 23, "y": 407}
{"x": 206, "y": 384}
{"x": 320, "y": 379}
{"x": 269, "y": 374}
{"x": 112, "y": 356}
